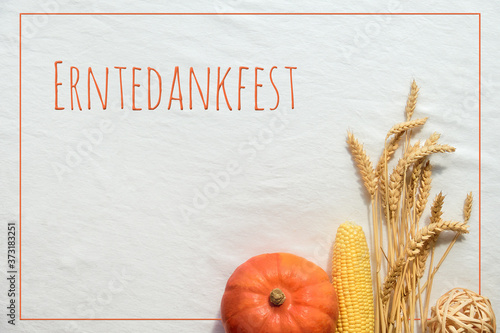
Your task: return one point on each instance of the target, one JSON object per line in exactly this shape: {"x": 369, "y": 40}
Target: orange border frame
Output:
{"x": 235, "y": 14}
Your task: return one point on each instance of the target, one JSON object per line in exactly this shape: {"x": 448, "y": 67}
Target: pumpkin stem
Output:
{"x": 277, "y": 297}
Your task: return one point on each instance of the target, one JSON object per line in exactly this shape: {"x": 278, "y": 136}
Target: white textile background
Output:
{"x": 145, "y": 214}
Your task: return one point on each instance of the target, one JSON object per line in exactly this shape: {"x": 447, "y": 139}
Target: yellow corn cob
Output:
{"x": 352, "y": 279}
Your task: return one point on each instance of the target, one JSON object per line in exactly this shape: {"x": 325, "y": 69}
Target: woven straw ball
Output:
{"x": 462, "y": 310}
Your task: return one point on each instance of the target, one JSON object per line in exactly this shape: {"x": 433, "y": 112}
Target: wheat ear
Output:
{"x": 467, "y": 207}
{"x": 416, "y": 175}
{"x": 405, "y": 126}
{"x": 412, "y": 100}
{"x": 437, "y": 206}
{"x": 433, "y": 139}
{"x": 363, "y": 163}
{"x": 424, "y": 190}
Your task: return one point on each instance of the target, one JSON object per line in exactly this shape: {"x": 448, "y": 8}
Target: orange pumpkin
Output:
{"x": 279, "y": 293}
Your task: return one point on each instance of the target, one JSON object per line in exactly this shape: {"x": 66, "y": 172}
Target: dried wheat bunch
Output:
{"x": 403, "y": 244}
